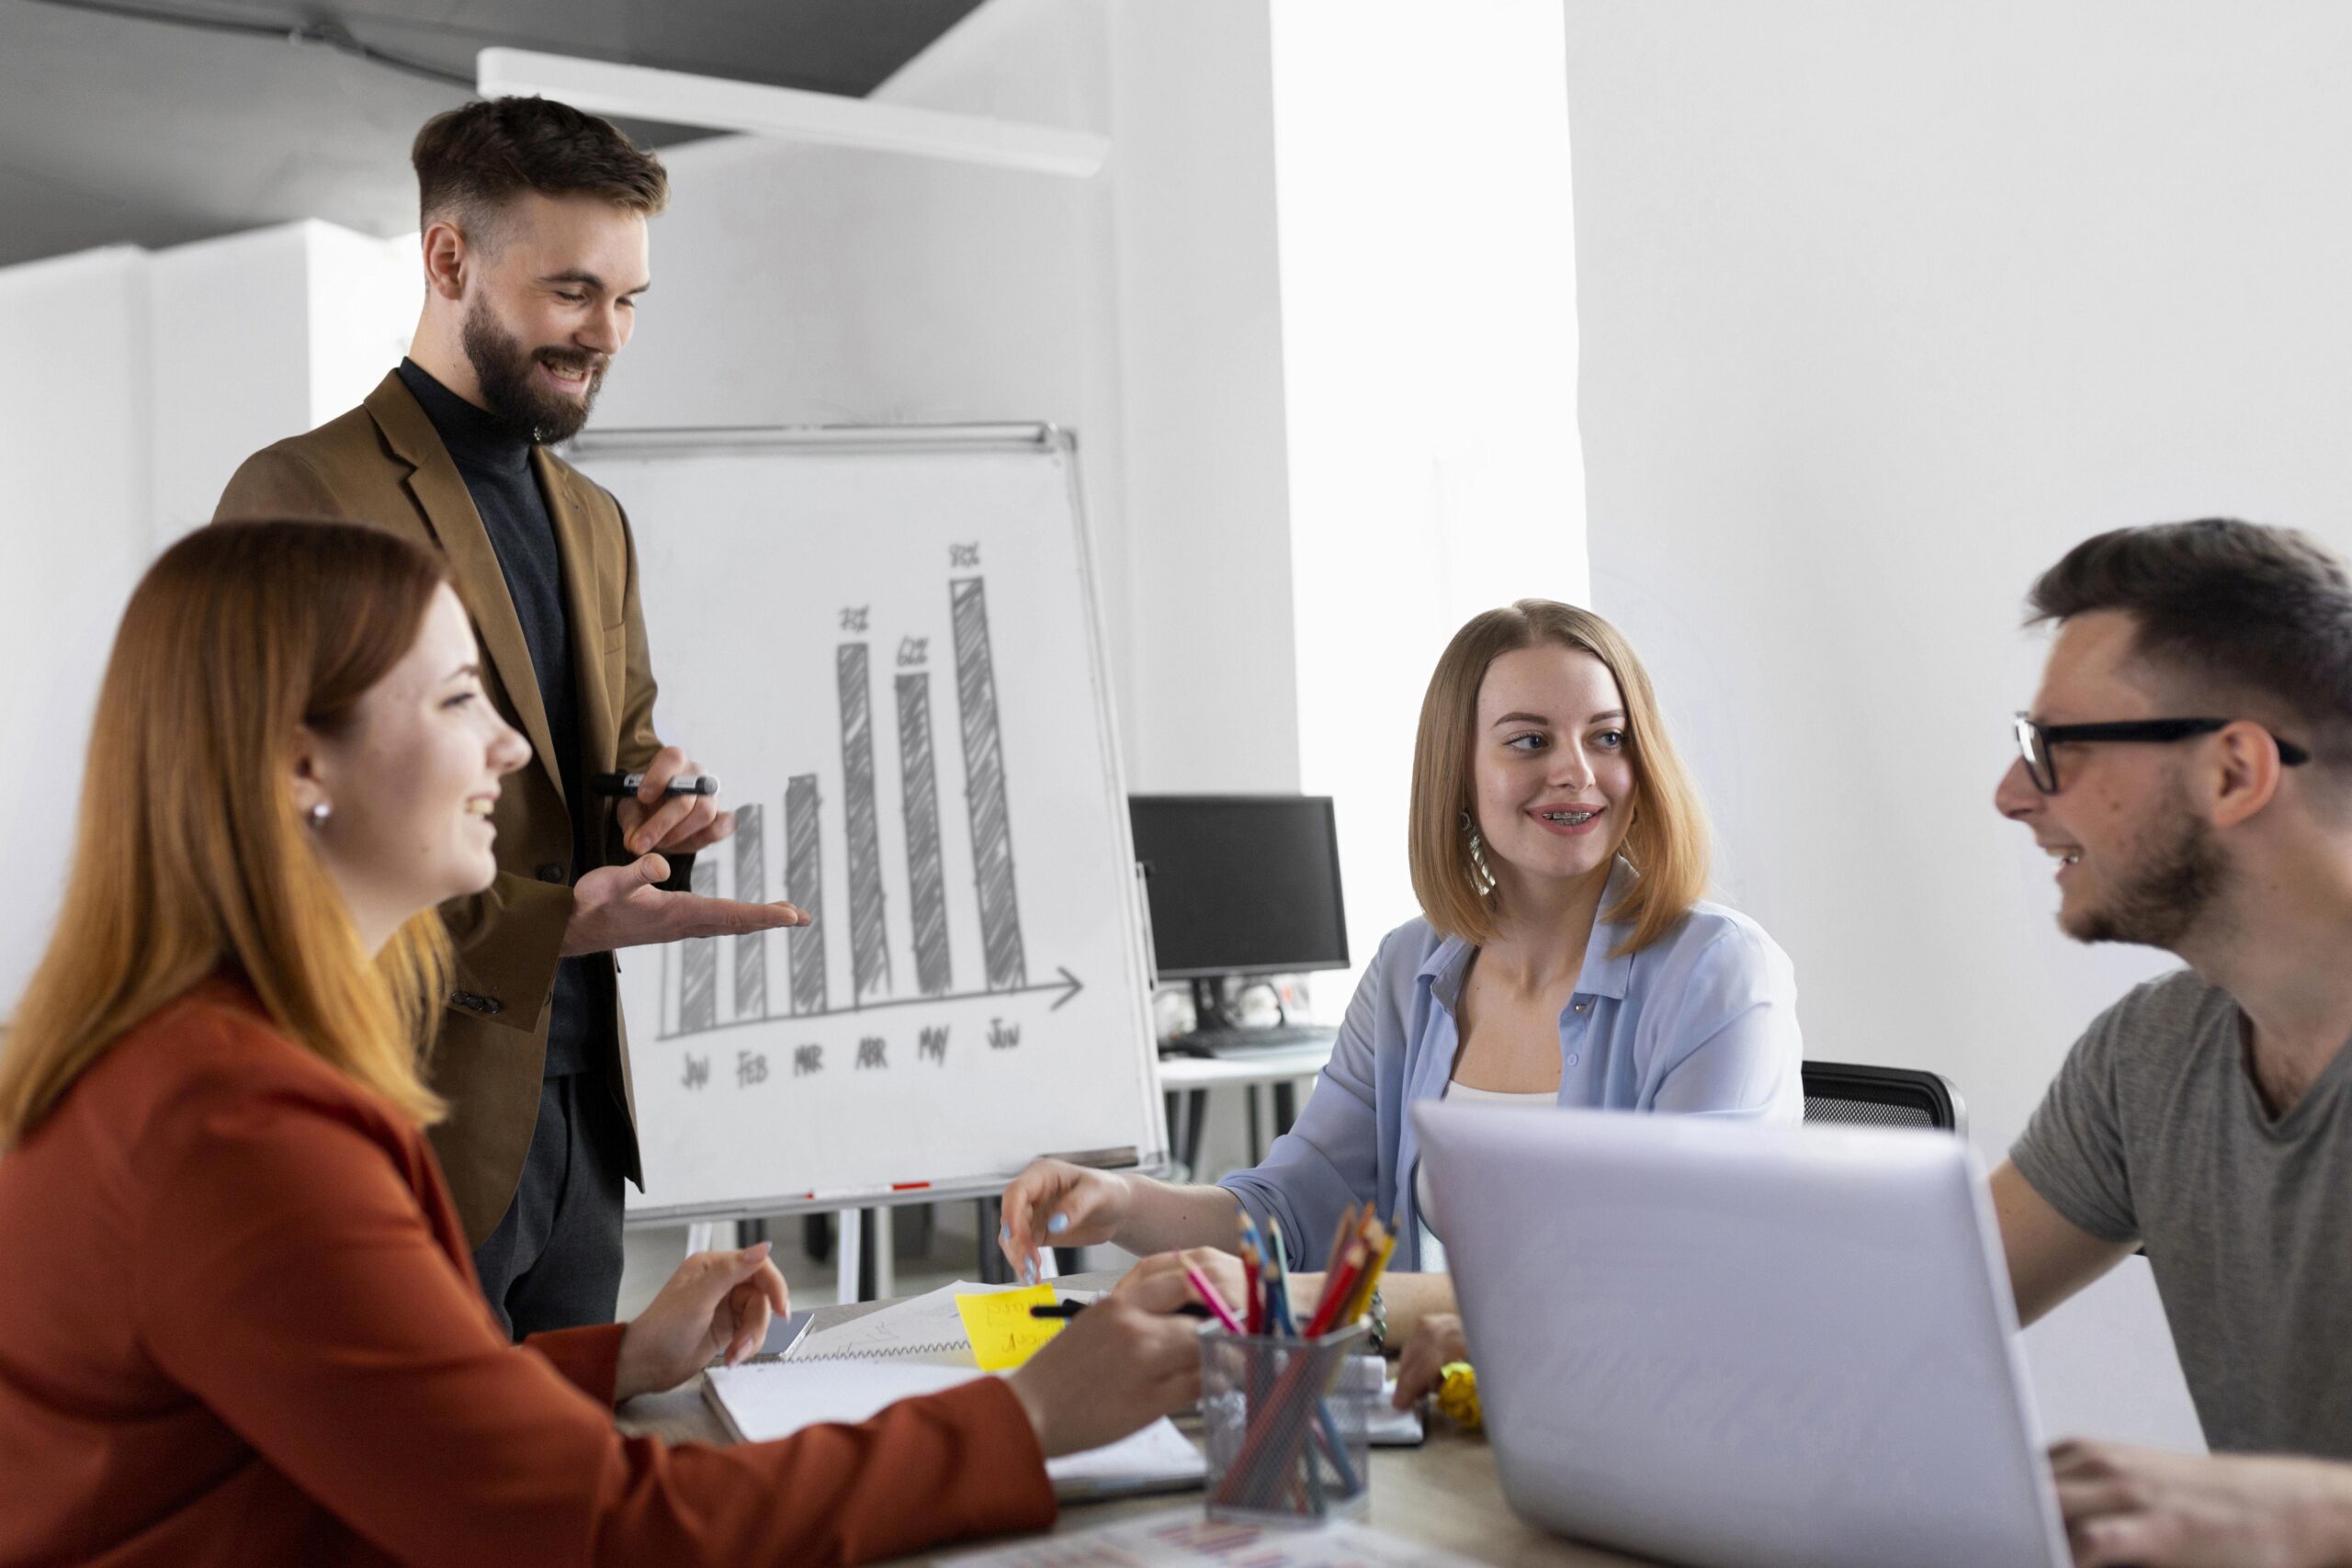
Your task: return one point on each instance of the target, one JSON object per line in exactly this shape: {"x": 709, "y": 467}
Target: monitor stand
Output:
{"x": 1209, "y": 1011}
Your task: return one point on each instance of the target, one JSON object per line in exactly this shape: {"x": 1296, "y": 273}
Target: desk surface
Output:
{"x": 1277, "y": 1065}
{"x": 1444, "y": 1493}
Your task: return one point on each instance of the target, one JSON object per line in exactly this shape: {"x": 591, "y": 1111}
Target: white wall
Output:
{"x": 137, "y": 383}
{"x": 262, "y": 336}
{"x": 1201, "y": 385}
{"x": 799, "y": 285}
{"x": 1883, "y": 306}
{"x": 363, "y": 295}
{"x": 73, "y": 441}
{"x": 1429, "y": 353}
{"x": 231, "y": 358}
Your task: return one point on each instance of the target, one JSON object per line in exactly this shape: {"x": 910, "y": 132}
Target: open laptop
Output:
{"x": 1726, "y": 1344}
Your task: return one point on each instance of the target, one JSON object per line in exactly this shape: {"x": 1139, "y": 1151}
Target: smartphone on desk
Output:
{"x": 784, "y": 1336}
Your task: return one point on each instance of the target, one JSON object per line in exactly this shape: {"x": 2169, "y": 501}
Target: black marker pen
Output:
{"x": 1066, "y": 1308}
{"x": 629, "y": 783}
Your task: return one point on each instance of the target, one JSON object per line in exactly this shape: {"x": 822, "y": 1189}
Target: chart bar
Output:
{"x": 804, "y": 884}
{"x": 699, "y": 965}
{"x": 984, "y": 787}
{"x": 751, "y": 887}
{"x": 926, "y": 876}
{"x": 869, "y": 949}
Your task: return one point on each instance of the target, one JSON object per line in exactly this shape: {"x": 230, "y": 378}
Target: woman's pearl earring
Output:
{"x": 319, "y": 813}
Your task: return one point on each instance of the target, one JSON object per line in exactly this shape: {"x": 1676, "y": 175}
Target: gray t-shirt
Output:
{"x": 2153, "y": 1133}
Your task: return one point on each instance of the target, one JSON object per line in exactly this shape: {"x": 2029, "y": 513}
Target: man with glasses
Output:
{"x": 2187, "y": 763}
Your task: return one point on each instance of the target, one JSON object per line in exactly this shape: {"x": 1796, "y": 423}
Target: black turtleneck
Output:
{"x": 496, "y": 463}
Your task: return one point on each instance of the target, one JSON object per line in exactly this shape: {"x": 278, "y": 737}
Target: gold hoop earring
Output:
{"x": 1482, "y": 875}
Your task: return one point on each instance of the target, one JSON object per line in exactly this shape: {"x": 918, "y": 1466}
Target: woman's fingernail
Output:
{"x": 1004, "y": 1232}
{"x": 1057, "y": 1225}
{"x": 1028, "y": 1273}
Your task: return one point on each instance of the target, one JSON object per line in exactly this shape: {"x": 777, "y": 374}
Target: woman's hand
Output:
{"x": 1121, "y": 1363}
{"x": 1055, "y": 1203}
{"x": 1435, "y": 1341}
{"x": 717, "y": 1303}
{"x": 1223, "y": 1270}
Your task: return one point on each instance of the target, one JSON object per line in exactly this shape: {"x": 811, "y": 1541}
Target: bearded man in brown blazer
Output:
{"x": 536, "y": 251}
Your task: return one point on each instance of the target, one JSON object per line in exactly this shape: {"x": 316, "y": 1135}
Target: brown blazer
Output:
{"x": 241, "y": 1326}
{"x": 383, "y": 464}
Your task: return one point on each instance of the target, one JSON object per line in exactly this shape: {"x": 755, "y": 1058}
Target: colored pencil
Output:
{"x": 1253, "y": 1308}
{"x": 1347, "y": 1227}
{"x": 1278, "y": 1268}
{"x": 1211, "y": 1300}
{"x": 1338, "y": 1287}
{"x": 1383, "y": 1242}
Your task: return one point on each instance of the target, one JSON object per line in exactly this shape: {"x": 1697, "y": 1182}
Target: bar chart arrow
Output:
{"x": 1066, "y": 988}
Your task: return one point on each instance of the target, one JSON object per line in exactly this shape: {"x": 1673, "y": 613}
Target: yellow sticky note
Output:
{"x": 1001, "y": 1329}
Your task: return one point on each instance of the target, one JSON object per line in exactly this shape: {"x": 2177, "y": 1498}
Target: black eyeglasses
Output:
{"x": 2035, "y": 740}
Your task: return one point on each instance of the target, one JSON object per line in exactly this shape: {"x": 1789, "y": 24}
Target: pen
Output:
{"x": 1072, "y": 1308}
{"x": 629, "y": 783}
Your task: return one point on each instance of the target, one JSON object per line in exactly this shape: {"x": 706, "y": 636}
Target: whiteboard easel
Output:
{"x": 887, "y": 643}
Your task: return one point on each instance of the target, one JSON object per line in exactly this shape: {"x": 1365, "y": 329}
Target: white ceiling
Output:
{"x": 116, "y": 126}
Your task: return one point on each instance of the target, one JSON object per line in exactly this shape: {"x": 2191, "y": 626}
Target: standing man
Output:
{"x": 535, "y": 254}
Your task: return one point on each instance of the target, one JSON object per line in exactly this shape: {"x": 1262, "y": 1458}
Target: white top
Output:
{"x": 1465, "y": 1094}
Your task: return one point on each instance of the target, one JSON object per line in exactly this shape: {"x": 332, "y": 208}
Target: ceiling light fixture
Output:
{"x": 828, "y": 119}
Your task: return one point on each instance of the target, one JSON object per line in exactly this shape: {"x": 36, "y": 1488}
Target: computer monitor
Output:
{"x": 1240, "y": 884}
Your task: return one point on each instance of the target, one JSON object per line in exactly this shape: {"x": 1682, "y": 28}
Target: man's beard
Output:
{"x": 503, "y": 369}
{"x": 2160, "y": 902}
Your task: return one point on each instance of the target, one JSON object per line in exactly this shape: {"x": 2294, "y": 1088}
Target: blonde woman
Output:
{"x": 242, "y": 1321}
{"x": 1563, "y": 956}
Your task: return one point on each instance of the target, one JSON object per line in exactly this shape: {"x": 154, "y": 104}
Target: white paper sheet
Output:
{"x": 1386, "y": 1427}
{"x": 1182, "y": 1538}
{"x": 921, "y": 1328}
{"x": 774, "y": 1399}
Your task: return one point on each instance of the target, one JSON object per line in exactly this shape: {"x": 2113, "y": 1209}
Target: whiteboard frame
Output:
{"x": 1010, "y": 436}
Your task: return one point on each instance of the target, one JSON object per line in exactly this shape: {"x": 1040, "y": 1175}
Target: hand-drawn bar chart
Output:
{"x": 870, "y": 945}
{"x": 1001, "y": 966}
{"x": 926, "y": 878}
{"x": 750, "y": 886}
{"x": 984, "y": 767}
{"x": 804, "y": 883}
{"x": 887, "y": 642}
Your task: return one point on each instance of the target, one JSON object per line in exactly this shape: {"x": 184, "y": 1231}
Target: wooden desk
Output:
{"x": 1444, "y": 1493}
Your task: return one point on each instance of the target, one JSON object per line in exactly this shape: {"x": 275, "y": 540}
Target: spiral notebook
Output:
{"x": 921, "y": 1328}
{"x": 848, "y": 1372}
{"x": 761, "y": 1400}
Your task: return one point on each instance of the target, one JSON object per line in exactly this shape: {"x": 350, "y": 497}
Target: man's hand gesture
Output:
{"x": 623, "y": 906}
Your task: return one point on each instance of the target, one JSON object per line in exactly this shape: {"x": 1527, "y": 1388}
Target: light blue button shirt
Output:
{"x": 1702, "y": 1022}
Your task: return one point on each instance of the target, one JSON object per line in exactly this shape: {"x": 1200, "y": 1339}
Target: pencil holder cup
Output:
{"x": 1286, "y": 1428}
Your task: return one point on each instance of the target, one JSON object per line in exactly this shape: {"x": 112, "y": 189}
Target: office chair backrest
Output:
{"x": 1853, "y": 1095}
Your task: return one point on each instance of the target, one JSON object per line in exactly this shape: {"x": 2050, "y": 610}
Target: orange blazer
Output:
{"x": 239, "y": 1324}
